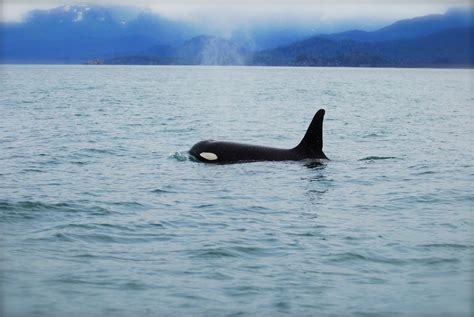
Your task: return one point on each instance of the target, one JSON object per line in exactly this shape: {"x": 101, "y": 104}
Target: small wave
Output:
{"x": 80, "y": 163}
{"x": 93, "y": 226}
{"x": 134, "y": 286}
{"x": 59, "y": 237}
{"x": 329, "y": 92}
{"x": 178, "y": 130}
{"x": 307, "y": 234}
{"x": 32, "y": 170}
{"x": 66, "y": 279}
{"x": 155, "y": 225}
{"x": 32, "y": 206}
{"x": 98, "y": 151}
{"x": 376, "y": 158}
{"x": 204, "y": 206}
{"x": 249, "y": 250}
{"x": 425, "y": 173}
{"x": 180, "y": 156}
{"x": 164, "y": 190}
{"x": 103, "y": 256}
{"x": 134, "y": 205}
{"x": 105, "y": 238}
{"x": 215, "y": 253}
{"x": 411, "y": 199}
{"x": 34, "y": 209}
{"x": 160, "y": 191}
{"x": 314, "y": 164}
{"x": 351, "y": 256}
{"x": 447, "y": 246}
{"x": 86, "y": 153}
{"x": 373, "y": 135}
{"x": 53, "y": 161}
{"x": 228, "y": 252}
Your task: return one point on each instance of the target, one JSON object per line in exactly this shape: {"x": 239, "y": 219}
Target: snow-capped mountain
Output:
{"x": 70, "y": 14}
{"x": 75, "y": 33}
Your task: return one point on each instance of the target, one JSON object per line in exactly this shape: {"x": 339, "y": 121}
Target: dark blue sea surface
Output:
{"x": 103, "y": 213}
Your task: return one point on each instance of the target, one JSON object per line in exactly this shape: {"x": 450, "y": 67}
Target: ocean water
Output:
{"x": 102, "y": 212}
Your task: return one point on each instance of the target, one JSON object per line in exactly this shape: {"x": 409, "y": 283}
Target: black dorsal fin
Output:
{"x": 313, "y": 139}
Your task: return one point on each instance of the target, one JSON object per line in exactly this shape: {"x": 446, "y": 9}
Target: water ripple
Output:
{"x": 101, "y": 215}
{"x": 180, "y": 156}
{"x": 36, "y": 209}
{"x": 377, "y": 158}
{"x": 351, "y": 256}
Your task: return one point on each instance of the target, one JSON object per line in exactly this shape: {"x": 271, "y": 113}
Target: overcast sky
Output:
{"x": 254, "y": 11}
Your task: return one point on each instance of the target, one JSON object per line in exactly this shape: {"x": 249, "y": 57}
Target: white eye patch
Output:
{"x": 208, "y": 156}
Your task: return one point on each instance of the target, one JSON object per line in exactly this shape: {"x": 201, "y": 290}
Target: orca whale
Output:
{"x": 310, "y": 147}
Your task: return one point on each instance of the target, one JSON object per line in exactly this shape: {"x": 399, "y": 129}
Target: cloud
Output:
{"x": 226, "y": 14}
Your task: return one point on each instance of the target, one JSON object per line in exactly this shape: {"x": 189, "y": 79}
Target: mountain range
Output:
{"x": 72, "y": 34}
{"x": 119, "y": 35}
{"x": 446, "y": 48}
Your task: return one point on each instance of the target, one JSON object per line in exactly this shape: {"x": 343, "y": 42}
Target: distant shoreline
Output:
{"x": 468, "y": 67}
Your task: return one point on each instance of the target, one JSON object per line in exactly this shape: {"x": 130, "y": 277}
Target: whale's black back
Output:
{"x": 310, "y": 147}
